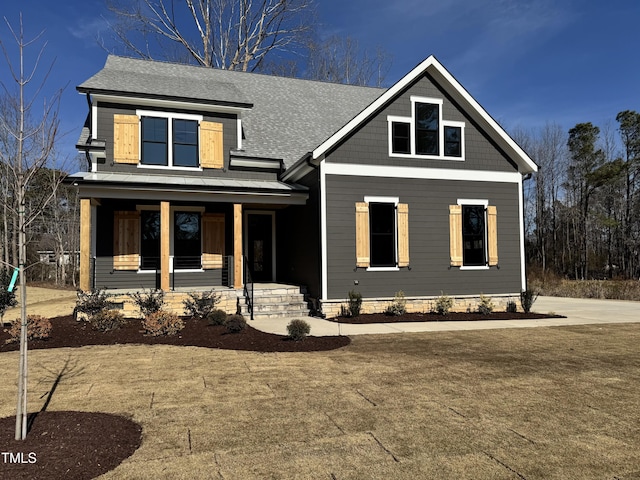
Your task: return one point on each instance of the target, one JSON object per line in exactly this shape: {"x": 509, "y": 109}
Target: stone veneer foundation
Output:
{"x": 421, "y": 304}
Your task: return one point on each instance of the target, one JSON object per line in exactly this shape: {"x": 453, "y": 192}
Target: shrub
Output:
{"x": 107, "y": 320}
{"x": 162, "y": 323}
{"x": 38, "y": 328}
{"x": 298, "y": 329}
{"x": 148, "y": 302}
{"x": 355, "y": 304}
{"x": 511, "y": 306}
{"x": 7, "y": 299}
{"x": 200, "y": 305}
{"x": 399, "y": 305}
{"x": 217, "y": 317}
{"x": 235, "y": 323}
{"x": 92, "y": 302}
{"x": 443, "y": 305}
{"x": 485, "y": 307}
{"x": 527, "y": 299}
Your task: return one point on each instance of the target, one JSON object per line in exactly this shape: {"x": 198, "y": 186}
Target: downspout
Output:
{"x": 525, "y": 177}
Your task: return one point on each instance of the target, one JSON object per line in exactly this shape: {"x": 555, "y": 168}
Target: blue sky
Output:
{"x": 528, "y": 62}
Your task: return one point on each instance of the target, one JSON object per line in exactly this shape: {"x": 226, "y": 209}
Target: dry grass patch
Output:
{"x": 523, "y": 403}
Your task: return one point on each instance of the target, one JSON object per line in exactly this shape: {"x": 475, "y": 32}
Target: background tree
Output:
{"x": 27, "y": 149}
{"x": 227, "y": 34}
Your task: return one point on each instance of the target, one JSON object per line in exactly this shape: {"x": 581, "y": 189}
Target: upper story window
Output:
{"x": 169, "y": 140}
{"x": 154, "y": 139}
{"x": 425, "y": 133}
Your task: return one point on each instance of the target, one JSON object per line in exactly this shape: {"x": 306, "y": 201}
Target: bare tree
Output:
{"x": 341, "y": 60}
{"x": 227, "y": 34}
{"x": 30, "y": 145}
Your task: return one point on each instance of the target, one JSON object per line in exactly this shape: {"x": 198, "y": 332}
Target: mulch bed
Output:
{"x": 67, "y": 332}
{"x": 434, "y": 317}
{"x": 70, "y": 445}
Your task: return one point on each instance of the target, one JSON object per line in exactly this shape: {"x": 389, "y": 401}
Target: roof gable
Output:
{"x": 471, "y": 107}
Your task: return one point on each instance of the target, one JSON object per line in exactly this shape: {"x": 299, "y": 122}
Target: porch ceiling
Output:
{"x": 187, "y": 188}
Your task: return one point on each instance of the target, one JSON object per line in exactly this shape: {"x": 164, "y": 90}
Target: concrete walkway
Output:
{"x": 578, "y": 311}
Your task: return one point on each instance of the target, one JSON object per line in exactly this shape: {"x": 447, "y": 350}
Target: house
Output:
{"x": 200, "y": 177}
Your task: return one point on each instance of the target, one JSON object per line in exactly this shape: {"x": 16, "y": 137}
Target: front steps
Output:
{"x": 272, "y": 300}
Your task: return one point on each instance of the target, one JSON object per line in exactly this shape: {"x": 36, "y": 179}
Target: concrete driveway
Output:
{"x": 578, "y": 311}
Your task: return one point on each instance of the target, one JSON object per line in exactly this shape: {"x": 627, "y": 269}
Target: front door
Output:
{"x": 260, "y": 246}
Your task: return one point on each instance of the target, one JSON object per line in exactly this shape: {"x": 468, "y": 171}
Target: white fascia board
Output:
{"x": 385, "y": 171}
{"x": 167, "y": 104}
{"x": 434, "y": 67}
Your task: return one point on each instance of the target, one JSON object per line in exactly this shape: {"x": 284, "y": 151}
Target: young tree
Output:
{"x": 227, "y": 34}
{"x": 27, "y": 150}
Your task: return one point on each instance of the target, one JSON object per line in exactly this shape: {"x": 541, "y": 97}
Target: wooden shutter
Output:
{"x": 492, "y": 234}
{"x": 362, "y": 235}
{"x": 126, "y": 139}
{"x": 126, "y": 240}
{"x": 211, "y": 151}
{"x": 455, "y": 235}
{"x": 403, "y": 235}
{"x": 212, "y": 240}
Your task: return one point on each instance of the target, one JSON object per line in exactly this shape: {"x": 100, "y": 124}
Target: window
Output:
{"x": 154, "y": 141}
{"x": 473, "y": 234}
{"x": 426, "y": 133}
{"x": 150, "y": 240}
{"x": 427, "y": 117}
{"x": 401, "y": 137}
{"x": 185, "y": 143}
{"x": 382, "y": 233}
{"x": 382, "y": 221}
{"x": 453, "y": 141}
{"x": 187, "y": 245}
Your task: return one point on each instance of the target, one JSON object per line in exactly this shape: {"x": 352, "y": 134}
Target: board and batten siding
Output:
{"x": 428, "y": 205}
{"x": 369, "y": 144}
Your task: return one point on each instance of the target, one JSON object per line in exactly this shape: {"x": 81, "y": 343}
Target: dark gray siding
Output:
{"x": 370, "y": 143}
{"x": 106, "y": 111}
{"x": 428, "y": 202}
{"x": 298, "y": 240}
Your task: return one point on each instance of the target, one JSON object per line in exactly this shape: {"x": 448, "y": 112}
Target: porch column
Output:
{"x": 237, "y": 245}
{"x": 164, "y": 245}
{"x": 85, "y": 244}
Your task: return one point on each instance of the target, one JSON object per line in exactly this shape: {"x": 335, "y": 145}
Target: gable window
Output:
{"x": 473, "y": 234}
{"x": 425, "y": 134}
{"x": 401, "y": 137}
{"x": 382, "y": 233}
{"x": 453, "y": 141}
{"x": 187, "y": 244}
{"x": 427, "y": 121}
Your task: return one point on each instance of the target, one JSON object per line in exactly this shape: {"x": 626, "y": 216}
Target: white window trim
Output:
{"x": 412, "y": 128}
{"x": 485, "y": 204}
{"x": 395, "y": 200}
{"x": 170, "y": 116}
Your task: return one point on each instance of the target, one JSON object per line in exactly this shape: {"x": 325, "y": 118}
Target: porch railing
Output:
{"x": 248, "y": 285}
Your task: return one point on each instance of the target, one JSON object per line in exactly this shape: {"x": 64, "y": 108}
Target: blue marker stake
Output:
{"x": 13, "y": 280}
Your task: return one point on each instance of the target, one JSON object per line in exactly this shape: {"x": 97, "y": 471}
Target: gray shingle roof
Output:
{"x": 289, "y": 117}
